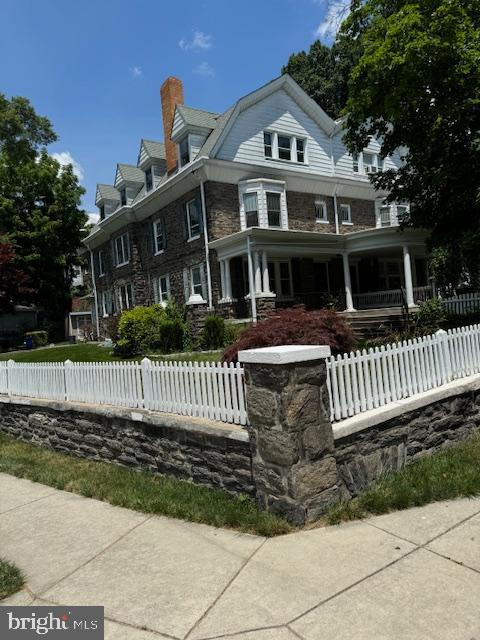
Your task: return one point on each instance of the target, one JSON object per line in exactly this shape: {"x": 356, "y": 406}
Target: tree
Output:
{"x": 39, "y": 205}
{"x": 14, "y": 283}
{"x": 416, "y": 87}
{"x": 324, "y": 71}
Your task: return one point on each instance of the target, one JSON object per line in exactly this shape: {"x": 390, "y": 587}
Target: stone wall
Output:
{"x": 186, "y": 449}
{"x": 363, "y": 456}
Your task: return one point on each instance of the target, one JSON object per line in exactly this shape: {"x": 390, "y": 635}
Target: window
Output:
{"x": 123, "y": 197}
{"x": 345, "y": 214}
{"x": 250, "y": 202}
{"x": 101, "y": 265}
{"x": 280, "y": 277}
{"x": 284, "y": 148}
{"x": 402, "y": 210}
{"x": 385, "y": 220}
{"x": 268, "y": 144}
{"x": 193, "y": 219}
{"x": 122, "y": 250}
{"x": 321, "y": 211}
{"x": 108, "y": 303}
{"x": 184, "y": 151}
{"x": 149, "y": 179}
{"x": 367, "y": 162}
{"x": 161, "y": 289}
{"x": 159, "y": 236}
{"x": 300, "y": 150}
{"x": 197, "y": 286}
{"x": 273, "y": 209}
{"x": 102, "y": 212}
{"x": 356, "y": 162}
{"x": 125, "y": 296}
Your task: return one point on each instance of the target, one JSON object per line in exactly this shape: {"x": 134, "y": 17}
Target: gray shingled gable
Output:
{"x": 154, "y": 149}
{"x": 129, "y": 173}
{"x": 197, "y": 117}
{"x": 106, "y": 192}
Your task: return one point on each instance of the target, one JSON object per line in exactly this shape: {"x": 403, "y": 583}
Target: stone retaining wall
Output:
{"x": 185, "y": 449}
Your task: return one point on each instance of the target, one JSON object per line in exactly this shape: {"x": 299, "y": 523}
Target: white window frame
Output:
{"x": 293, "y": 147}
{"x": 129, "y": 296}
{"x": 348, "y": 220}
{"x": 196, "y": 295}
{"x": 321, "y": 205}
{"x": 358, "y": 161}
{"x": 105, "y": 301}
{"x": 101, "y": 263}
{"x": 158, "y": 250}
{"x": 160, "y": 295}
{"x": 125, "y": 243}
{"x": 250, "y": 193}
{"x": 261, "y": 186}
{"x": 189, "y": 226}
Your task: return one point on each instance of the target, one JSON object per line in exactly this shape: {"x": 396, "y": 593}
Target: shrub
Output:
{"x": 138, "y": 330}
{"x": 295, "y": 326}
{"x": 213, "y": 334}
{"x": 430, "y": 317}
{"x": 111, "y": 327}
{"x": 171, "y": 335}
{"x": 39, "y": 338}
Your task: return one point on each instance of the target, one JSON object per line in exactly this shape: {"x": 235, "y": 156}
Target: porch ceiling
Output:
{"x": 281, "y": 241}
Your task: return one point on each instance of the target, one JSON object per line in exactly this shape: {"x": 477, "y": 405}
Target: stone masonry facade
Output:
{"x": 207, "y": 457}
{"x": 223, "y": 218}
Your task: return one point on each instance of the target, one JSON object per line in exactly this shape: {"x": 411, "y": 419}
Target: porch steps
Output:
{"x": 374, "y": 323}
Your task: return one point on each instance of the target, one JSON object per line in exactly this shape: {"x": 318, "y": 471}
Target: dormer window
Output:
{"x": 278, "y": 146}
{"x": 184, "y": 151}
{"x": 149, "y": 179}
{"x": 102, "y": 212}
{"x": 123, "y": 197}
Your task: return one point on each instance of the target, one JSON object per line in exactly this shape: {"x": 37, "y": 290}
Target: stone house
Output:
{"x": 259, "y": 207}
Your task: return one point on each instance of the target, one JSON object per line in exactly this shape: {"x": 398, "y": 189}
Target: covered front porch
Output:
{"x": 261, "y": 269}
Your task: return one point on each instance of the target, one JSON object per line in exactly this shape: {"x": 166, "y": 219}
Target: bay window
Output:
{"x": 273, "y": 209}
{"x": 250, "y": 202}
{"x": 263, "y": 203}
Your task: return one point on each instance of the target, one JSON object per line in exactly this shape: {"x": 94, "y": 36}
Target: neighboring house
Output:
{"x": 259, "y": 207}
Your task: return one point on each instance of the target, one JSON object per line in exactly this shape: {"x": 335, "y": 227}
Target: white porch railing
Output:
{"x": 205, "y": 390}
{"x": 389, "y": 298}
{"x": 463, "y": 303}
{"x": 360, "y": 381}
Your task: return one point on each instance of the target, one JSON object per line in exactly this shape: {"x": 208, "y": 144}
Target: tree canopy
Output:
{"x": 416, "y": 87}
{"x": 40, "y": 211}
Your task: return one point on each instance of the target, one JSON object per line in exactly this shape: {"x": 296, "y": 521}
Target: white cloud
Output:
{"x": 64, "y": 158}
{"x": 204, "y": 69}
{"x": 199, "y": 42}
{"x": 93, "y": 218}
{"x": 136, "y": 72}
{"x": 336, "y": 12}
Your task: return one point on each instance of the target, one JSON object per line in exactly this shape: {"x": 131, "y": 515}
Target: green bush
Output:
{"x": 39, "y": 338}
{"x": 138, "y": 330}
{"x": 144, "y": 330}
{"x": 430, "y": 317}
{"x": 213, "y": 334}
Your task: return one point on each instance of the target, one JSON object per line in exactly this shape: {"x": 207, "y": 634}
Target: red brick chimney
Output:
{"x": 171, "y": 94}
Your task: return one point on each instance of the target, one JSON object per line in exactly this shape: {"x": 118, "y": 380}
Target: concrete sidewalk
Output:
{"x": 412, "y": 575}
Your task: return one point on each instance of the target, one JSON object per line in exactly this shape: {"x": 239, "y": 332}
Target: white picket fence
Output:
{"x": 205, "y": 390}
{"x": 463, "y": 303}
{"x": 364, "y": 380}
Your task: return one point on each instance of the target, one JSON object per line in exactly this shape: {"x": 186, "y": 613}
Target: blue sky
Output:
{"x": 94, "y": 67}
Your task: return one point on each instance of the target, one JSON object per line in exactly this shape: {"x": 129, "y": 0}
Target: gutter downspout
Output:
{"x": 205, "y": 239}
{"x": 94, "y": 286}
{"x": 251, "y": 283}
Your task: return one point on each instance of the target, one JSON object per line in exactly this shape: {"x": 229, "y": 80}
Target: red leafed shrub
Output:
{"x": 295, "y": 326}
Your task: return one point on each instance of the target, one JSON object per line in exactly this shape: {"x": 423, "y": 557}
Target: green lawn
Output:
{"x": 451, "y": 473}
{"x": 11, "y": 580}
{"x": 89, "y": 352}
{"x": 140, "y": 491}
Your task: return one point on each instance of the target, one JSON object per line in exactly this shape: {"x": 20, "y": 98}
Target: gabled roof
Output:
{"x": 106, "y": 192}
{"x": 128, "y": 173}
{"x": 284, "y": 82}
{"x": 154, "y": 150}
{"x": 197, "y": 117}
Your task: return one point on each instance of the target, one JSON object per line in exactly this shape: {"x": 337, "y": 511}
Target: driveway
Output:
{"x": 411, "y": 575}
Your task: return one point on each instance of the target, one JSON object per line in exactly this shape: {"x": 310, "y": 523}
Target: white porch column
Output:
{"x": 228, "y": 280}
{"x": 258, "y": 275}
{"x": 266, "y": 279}
{"x": 222, "y": 280}
{"x": 407, "y": 266}
{"x": 348, "y": 283}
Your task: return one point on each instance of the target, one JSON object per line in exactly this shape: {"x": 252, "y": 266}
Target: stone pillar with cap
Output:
{"x": 291, "y": 435}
